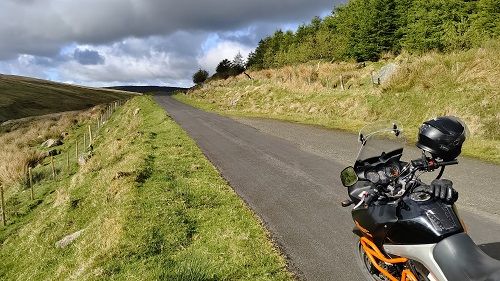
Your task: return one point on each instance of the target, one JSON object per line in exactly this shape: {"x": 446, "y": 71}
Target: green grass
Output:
{"x": 22, "y": 97}
{"x": 152, "y": 208}
{"x": 464, "y": 84}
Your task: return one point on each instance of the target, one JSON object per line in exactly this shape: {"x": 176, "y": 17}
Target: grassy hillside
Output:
{"x": 22, "y": 97}
{"x": 150, "y": 205}
{"x": 465, "y": 84}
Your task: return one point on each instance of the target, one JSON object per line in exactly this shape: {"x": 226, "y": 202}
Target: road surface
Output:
{"x": 289, "y": 175}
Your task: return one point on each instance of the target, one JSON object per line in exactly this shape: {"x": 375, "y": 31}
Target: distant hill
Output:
{"x": 24, "y": 96}
{"x": 147, "y": 89}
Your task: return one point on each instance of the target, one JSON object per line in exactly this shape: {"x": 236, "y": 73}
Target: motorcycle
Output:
{"x": 403, "y": 232}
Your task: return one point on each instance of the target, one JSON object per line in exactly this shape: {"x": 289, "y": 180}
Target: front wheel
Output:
{"x": 371, "y": 273}
{"x": 367, "y": 268}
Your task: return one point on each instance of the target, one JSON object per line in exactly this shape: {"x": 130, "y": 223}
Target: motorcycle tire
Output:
{"x": 370, "y": 273}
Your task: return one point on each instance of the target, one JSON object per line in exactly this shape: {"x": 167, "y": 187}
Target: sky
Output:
{"x": 138, "y": 42}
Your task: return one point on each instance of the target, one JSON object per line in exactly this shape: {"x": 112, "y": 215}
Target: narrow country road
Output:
{"x": 288, "y": 174}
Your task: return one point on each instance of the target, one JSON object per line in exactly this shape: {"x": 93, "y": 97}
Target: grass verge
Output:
{"x": 464, "y": 84}
{"x": 151, "y": 207}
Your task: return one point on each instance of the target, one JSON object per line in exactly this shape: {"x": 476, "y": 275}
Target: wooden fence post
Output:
{"x": 53, "y": 167}
{"x": 30, "y": 175}
{"x": 76, "y": 157}
{"x": 2, "y": 203}
{"x": 342, "y": 82}
{"x": 90, "y": 135}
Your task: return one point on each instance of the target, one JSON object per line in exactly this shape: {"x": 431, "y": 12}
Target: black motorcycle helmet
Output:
{"x": 443, "y": 137}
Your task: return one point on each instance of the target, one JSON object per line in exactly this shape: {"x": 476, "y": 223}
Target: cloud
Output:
{"x": 111, "y": 42}
{"x": 88, "y": 57}
{"x": 222, "y": 50}
{"x": 48, "y": 24}
{"x": 137, "y": 61}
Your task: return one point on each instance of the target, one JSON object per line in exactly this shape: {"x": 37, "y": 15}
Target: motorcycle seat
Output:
{"x": 461, "y": 259}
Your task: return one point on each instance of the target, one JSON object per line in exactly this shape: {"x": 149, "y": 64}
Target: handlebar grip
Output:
{"x": 446, "y": 163}
{"x": 430, "y": 164}
{"x": 418, "y": 163}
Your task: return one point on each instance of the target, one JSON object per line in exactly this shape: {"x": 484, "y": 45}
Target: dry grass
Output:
{"x": 21, "y": 140}
{"x": 465, "y": 84}
{"x": 14, "y": 170}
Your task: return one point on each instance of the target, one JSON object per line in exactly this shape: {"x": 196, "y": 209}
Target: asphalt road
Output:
{"x": 288, "y": 174}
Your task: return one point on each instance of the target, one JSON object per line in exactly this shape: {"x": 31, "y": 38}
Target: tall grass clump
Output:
{"x": 22, "y": 139}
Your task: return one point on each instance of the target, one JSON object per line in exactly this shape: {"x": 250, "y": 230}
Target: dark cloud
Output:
{"x": 111, "y": 42}
{"x": 88, "y": 57}
{"x": 48, "y": 24}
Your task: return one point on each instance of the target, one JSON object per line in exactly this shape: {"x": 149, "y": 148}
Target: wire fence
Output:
{"x": 58, "y": 163}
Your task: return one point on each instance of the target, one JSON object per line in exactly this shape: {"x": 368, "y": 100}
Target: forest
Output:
{"x": 367, "y": 30}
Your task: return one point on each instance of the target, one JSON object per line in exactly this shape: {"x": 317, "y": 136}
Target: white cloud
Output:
{"x": 149, "y": 66}
{"x": 222, "y": 50}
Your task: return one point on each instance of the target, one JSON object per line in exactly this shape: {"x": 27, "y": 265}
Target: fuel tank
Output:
{"x": 416, "y": 219}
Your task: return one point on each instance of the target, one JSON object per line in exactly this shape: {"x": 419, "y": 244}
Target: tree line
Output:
{"x": 224, "y": 70}
{"x": 364, "y": 30}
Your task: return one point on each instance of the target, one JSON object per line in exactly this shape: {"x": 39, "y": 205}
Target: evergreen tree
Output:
{"x": 437, "y": 25}
{"x": 256, "y": 58}
{"x": 238, "y": 65}
{"x": 365, "y": 29}
{"x": 385, "y": 22}
{"x": 223, "y": 69}
{"x": 485, "y": 23}
{"x": 238, "y": 60}
{"x": 200, "y": 76}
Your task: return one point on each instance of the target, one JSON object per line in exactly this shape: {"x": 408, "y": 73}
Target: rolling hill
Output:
{"x": 147, "y": 89}
{"x": 23, "y": 97}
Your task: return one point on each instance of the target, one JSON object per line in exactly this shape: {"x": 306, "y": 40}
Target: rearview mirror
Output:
{"x": 348, "y": 176}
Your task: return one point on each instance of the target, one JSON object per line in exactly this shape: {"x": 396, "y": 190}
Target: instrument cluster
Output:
{"x": 383, "y": 174}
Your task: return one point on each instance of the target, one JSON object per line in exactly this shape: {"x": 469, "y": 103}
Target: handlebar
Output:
{"x": 446, "y": 163}
{"x": 429, "y": 164}
{"x": 422, "y": 164}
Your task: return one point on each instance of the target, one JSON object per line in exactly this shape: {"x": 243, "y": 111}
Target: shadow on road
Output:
{"x": 491, "y": 249}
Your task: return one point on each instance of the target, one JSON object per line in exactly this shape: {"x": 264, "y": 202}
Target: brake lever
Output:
{"x": 366, "y": 198}
{"x": 369, "y": 198}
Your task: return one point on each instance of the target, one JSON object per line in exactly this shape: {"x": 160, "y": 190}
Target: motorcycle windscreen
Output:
{"x": 380, "y": 140}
